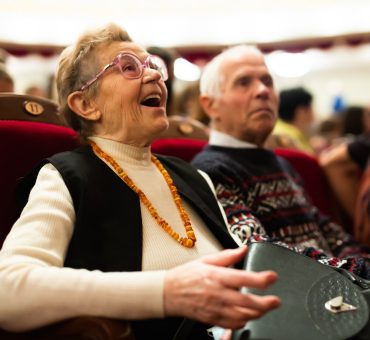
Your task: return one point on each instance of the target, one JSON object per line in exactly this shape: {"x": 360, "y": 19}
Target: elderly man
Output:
{"x": 261, "y": 194}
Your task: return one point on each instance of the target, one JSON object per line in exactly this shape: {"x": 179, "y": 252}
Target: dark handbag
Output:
{"x": 318, "y": 302}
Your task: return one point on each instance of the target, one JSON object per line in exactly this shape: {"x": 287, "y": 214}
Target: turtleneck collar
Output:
{"x": 136, "y": 156}
{"x": 217, "y": 138}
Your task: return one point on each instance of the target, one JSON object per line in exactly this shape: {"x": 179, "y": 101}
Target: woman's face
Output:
{"x": 126, "y": 114}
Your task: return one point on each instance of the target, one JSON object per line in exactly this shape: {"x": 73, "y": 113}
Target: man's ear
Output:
{"x": 82, "y": 106}
{"x": 207, "y": 104}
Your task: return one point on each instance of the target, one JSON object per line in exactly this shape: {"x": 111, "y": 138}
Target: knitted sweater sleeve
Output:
{"x": 32, "y": 276}
{"x": 242, "y": 222}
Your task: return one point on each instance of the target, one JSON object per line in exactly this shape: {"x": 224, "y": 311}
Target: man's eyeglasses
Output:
{"x": 131, "y": 67}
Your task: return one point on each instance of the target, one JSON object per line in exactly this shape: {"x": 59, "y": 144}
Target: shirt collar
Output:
{"x": 218, "y": 138}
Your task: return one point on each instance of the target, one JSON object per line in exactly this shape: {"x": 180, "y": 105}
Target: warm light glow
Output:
{"x": 288, "y": 65}
{"x": 185, "y": 70}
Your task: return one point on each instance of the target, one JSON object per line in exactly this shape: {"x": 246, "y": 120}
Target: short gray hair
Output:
{"x": 77, "y": 64}
{"x": 211, "y": 79}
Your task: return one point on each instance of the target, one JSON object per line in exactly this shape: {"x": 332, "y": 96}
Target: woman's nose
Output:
{"x": 151, "y": 74}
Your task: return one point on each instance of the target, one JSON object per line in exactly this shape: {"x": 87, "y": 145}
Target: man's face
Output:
{"x": 247, "y": 106}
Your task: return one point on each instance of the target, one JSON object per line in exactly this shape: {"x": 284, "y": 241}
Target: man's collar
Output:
{"x": 218, "y": 138}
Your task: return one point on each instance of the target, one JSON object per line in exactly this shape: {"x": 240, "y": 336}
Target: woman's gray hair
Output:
{"x": 211, "y": 78}
{"x": 78, "y": 64}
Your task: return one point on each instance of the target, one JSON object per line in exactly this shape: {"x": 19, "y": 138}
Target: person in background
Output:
{"x": 262, "y": 195}
{"x": 6, "y": 80}
{"x": 187, "y": 103}
{"x": 326, "y": 133}
{"x": 35, "y": 90}
{"x": 347, "y": 168}
{"x": 111, "y": 230}
{"x": 355, "y": 121}
{"x": 296, "y": 116}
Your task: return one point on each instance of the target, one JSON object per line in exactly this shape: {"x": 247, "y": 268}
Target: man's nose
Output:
{"x": 263, "y": 91}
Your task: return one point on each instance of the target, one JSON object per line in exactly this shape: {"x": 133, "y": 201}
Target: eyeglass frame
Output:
{"x": 116, "y": 61}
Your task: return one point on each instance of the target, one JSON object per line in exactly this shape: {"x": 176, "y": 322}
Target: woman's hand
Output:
{"x": 207, "y": 291}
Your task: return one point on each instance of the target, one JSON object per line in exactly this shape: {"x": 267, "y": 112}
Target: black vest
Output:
{"x": 108, "y": 228}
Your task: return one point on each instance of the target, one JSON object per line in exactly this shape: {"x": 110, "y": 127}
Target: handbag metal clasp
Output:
{"x": 336, "y": 305}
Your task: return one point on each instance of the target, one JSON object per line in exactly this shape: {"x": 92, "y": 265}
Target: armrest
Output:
{"x": 82, "y": 328}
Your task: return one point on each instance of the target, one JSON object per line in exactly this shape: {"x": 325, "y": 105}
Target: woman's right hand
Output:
{"x": 208, "y": 291}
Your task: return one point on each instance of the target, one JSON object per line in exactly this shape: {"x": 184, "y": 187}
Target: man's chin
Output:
{"x": 258, "y": 137}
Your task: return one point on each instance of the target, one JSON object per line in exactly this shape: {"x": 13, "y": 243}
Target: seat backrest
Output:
{"x": 23, "y": 144}
{"x": 184, "y": 148}
{"x": 185, "y": 127}
{"x": 184, "y": 138}
{"x": 29, "y": 108}
{"x": 313, "y": 176}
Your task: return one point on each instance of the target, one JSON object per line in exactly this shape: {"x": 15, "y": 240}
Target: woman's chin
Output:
{"x": 161, "y": 126}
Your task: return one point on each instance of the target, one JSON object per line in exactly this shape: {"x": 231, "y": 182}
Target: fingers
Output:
{"x": 235, "y": 317}
{"x": 237, "y": 278}
{"x": 261, "y": 303}
{"x": 237, "y": 308}
{"x": 241, "y": 278}
{"x": 226, "y": 258}
{"x": 251, "y": 301}
{"x": 207, "y": 291}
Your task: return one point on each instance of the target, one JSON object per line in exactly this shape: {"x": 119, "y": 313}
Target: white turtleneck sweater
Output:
{"x": 35, "y": 288}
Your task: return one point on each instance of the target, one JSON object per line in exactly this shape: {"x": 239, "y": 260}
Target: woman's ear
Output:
{"x": 82, "y": 106}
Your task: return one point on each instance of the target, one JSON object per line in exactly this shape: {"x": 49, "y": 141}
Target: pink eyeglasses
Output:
{"x": 131, "y": 67}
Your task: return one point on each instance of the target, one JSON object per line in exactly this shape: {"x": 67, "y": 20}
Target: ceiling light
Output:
{"x": 288, "y": 65}
{"x": 186, "y": 70}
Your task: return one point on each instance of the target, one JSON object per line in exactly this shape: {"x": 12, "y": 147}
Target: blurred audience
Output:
{"x": 355, "y": 121}
{"x": 296, "y": 116}
{"x": 187, "y": 103}
{"x": 344, "y": 165}
{"x": 36, "y": 90}
{"x": 6, "y": 80}
{"x": 352, "y": 121}
{"x": 326, "y": 133}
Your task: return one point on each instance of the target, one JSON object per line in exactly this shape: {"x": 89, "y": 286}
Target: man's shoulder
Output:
{"x": 210, "y": 155}
{"x": 220, "y": 154}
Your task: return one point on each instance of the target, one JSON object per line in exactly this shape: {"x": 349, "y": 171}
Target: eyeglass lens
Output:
{"x": 131, "y": 67}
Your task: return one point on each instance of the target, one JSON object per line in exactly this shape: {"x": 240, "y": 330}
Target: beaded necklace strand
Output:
{"x": 190, "y": 238}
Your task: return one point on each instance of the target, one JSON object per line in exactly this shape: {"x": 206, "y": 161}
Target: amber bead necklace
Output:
{"x": 190, "y": 238}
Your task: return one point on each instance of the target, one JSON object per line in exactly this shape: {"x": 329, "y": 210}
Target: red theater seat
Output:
{"x": 30, "y": 130}
{"x": 313, "y": 176}
{"x": 25, "y": 139}
{"x": 22, "y": 146}
{"x": 184, "y": 148}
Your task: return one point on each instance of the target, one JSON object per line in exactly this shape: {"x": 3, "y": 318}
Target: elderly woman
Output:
{"x": 110, "y": 229}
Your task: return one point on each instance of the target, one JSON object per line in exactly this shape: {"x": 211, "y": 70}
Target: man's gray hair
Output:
{"x": 211, "y": 78}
